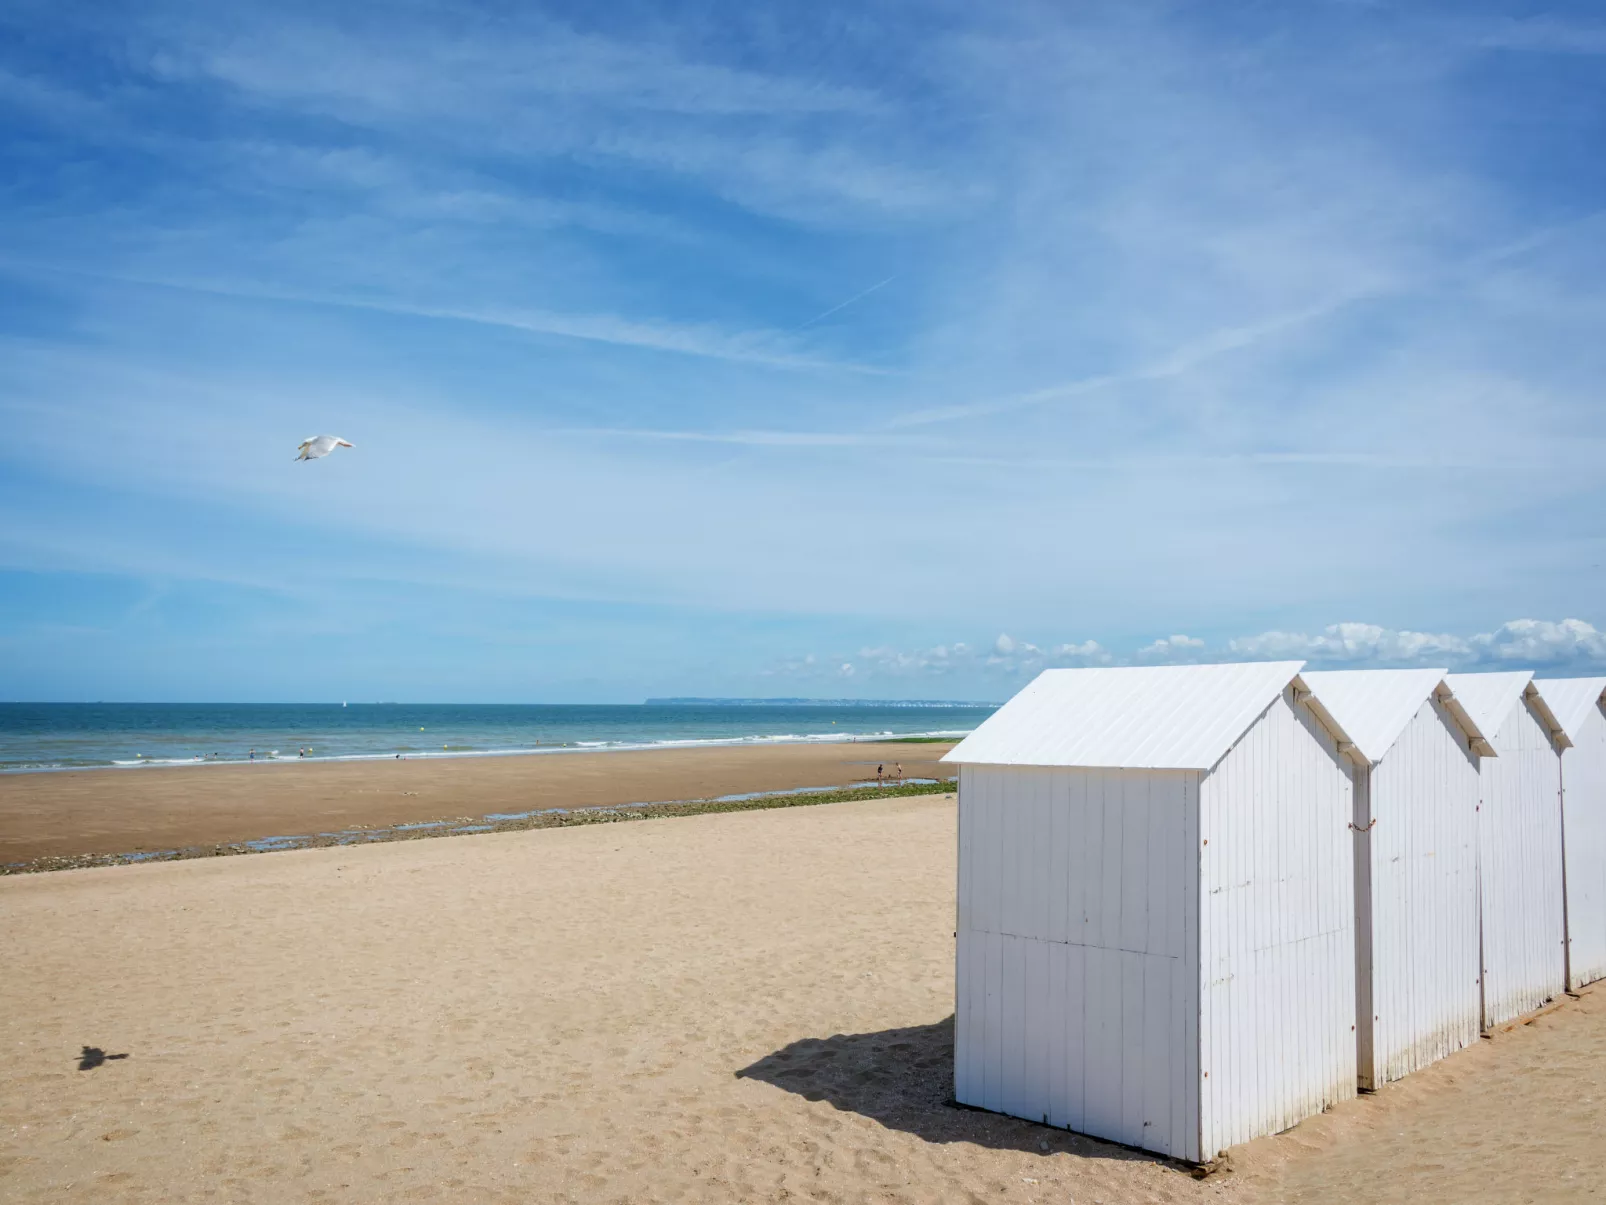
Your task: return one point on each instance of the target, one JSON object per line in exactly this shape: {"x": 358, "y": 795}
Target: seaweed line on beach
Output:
{"x": 495, "y": 823}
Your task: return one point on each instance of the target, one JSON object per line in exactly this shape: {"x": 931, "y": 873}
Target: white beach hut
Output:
{"x": 1416, "y": 866}
{"x": 1155, "y": 936}
{"x": 1579, "y": 705}
{"x": 1520, "y": 892}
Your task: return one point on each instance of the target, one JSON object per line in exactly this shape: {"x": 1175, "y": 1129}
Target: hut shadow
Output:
{"x": 904, "y": 1079}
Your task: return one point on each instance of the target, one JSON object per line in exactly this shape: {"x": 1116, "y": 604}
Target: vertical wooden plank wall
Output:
{"x": 1076, "y": 984}
{"x": 1520, "y": 869}
{"x": 1276, "y": 933}
{"x": 1424, "y": 907}
{"x": 1365, "y": 1012}
{"x": 1583, "y": 780}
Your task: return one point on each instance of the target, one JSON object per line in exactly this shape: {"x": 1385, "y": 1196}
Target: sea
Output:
{"x": 63, "y": 736}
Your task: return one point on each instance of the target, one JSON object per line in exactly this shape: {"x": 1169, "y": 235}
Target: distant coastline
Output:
{"x": 695, "y": 701}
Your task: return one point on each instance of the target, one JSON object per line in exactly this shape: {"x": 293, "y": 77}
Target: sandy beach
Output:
{"x": 67, "y": 813}
{"x": 742, "y": 1007}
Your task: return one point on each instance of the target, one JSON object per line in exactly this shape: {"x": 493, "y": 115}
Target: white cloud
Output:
{"x": 1008, "y": 662}
{"x": 1519, "y": 641}
{"x": 1543, "y": 643}
{"x": 940, "y": 659}
{"x": 1172, "y": 648}
{"x": 1357, "y": 642}
{"x": 1088, "y": 650}
{"x": 1011, "y": 655}
{"x": 1005, "y": 656}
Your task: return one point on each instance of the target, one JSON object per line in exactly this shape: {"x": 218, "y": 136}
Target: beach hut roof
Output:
{"x": 1489, "y": 698}
{"x": 1571, "y": 699}
{"x": 1172, "y": 717}
{"x": 1375, "y": 705}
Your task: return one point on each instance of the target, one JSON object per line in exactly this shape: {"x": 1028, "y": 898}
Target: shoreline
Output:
{"x": 275, "y": 758}
{"x": 90, "y": 814}
{"x": 464, "y": 826}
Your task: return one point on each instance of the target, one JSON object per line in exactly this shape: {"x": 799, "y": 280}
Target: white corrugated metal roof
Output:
{"x": 1489, "y": 698}
{"x": 1374, "y": 705}
{"x": 1172, "y": 717}
{"x": 1571, "y": 700}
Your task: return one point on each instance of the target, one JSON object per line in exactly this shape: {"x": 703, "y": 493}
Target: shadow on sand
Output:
{"x": 903, "y": 1078}
{"x": 94, "y": 1056}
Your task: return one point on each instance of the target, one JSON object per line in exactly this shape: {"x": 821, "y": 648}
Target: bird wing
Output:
{"x": 320, "y": 445}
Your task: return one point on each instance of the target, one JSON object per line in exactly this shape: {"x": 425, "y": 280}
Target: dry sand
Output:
{"x": 118, "y": 811}
{"x": 1519, "y": 1117}
{"x": 743, "y": 1007}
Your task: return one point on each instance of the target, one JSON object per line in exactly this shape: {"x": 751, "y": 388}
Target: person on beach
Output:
{"x": 879, "y": 772}
{"x": 897, "y": 768}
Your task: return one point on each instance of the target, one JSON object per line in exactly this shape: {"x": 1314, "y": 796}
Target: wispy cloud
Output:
{"x": 767, "y": 348}
{"x": 1192, "y": 311}
{"x": 752, "y": 439}
{"x": 376, "y": 69}
{"x": 1177, "y": 363}
{"x": 746, "y": 347}
{"x": 1544, "y": 35}
{"x": 535, "y": 87}
{"x": 842, "y": 305}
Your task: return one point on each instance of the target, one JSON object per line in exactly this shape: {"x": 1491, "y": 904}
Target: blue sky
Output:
{"x": 878, "y": 349}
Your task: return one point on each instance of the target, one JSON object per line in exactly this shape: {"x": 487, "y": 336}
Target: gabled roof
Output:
{"x": 1489, "y": 698}
{"x": 1173, "y": 717}
{"x": 1571, "y": 700}
{"x": 1375, "y": 705}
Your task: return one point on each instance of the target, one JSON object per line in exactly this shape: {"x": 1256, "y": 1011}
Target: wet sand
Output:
{"x": 68, "y": 813}
{"x": 724, "y": 1008}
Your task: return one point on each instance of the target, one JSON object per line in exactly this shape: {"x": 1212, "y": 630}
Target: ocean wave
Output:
{"x": 413, "y": 753}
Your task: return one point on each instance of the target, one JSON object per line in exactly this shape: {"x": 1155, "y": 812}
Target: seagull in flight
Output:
{"x": 320, "y": 445}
